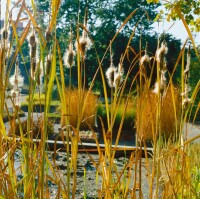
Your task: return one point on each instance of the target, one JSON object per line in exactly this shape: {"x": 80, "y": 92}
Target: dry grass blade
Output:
{"x": 33, "y": 21}
{"x": 55, "y": 9}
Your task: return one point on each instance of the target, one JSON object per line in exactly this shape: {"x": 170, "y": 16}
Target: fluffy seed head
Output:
{"x": 16, "y": 80}
{"x": 120, "y": 69}
{"x": 161, "y": 52}
{"x": 144, "y": 60}
{"x": 84, "y": 43}
{"x": 160, "y": 87}
{"x": 160, "y": 55}
{"x": 110, "y": 74}
{"x": 118, "y": 79}
{"x": 186, "y": 102}
{"x": 69, "y": 56}
{"x": 187, "y": 69}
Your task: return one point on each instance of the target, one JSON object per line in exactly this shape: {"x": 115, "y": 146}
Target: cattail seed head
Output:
{"x": 5, "y": 33}
{"x": 32, "y": 38}
{"x": 110, "y": 74}
{"x": 69, "y": 56}
{"x": 48, "y": 36}
{"x": 16, "y": 80}
{"x": 162, "y": 81}
{"x": 84, "y": 43}
{"x": 160, "y": 55}
{"x": 159, "y": 87}
{"x": 34, "y": 60}
{"x": 118, "y": 79}
{"x": 48, "y": 64}
{"x": 144, "y": 60}
{"x": 187, "y": 69}
{"x": 39, "y": 74}
{"x": 120, "y": 67}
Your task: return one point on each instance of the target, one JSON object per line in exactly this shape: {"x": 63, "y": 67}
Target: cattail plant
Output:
{"x": 5, "y": 33}
{"x": 118, "y": 76}
{"x": 4, "y": 47}
{"x": 160, "y": 55}
{"x": 84, "y": 43}
{"x": 33, "y": 52}
{"x": 160, "y": 88}
{"x": 110, "y": 74}
{"x": 144, "y": 63}
{"x": 145, "y": 59}
{"x": 69, "y": 54}
{"x": 114, "y": 75}
{"x": 69, "y": 62}
{"x": 39, "y": 74}
{"x": 48, "y": 65}
{"x": 17, "y": 81}
{"x": 48, "y": 35}
{"x": 186, "y": 99}
{"x": 161, "y": 69}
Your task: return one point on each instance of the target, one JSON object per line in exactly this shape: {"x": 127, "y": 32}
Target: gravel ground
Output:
{"x": 90, "y": 182}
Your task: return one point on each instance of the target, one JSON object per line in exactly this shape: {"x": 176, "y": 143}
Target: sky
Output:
{"x": 177, "y": 30}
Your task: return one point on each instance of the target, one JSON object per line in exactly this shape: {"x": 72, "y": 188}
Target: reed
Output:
{"x": 159, "y": 114}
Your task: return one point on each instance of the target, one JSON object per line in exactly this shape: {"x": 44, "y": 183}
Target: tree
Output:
{"x": 186, "y": 11}
{"x": 182, "y": 9}
{"x": 104, "y": 19}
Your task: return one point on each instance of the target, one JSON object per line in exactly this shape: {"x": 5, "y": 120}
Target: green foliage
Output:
{"x": 196, "y": 180}
{"x": 189, "y": 9}
{"x": 193, "y": 81}
{"x": 37, "y": 98}
{"x": 39, "y": 106}
{"x": 104, "y": 19}
{"x": 129, "y": 118}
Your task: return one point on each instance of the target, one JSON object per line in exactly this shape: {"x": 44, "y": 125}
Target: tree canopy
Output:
{"x": 103, "y": 21}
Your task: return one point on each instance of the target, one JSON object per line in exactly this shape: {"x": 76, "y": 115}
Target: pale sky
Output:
{"x": 177, "y": 30}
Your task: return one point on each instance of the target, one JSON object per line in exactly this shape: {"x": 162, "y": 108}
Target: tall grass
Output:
{"x": 172, "y": 169}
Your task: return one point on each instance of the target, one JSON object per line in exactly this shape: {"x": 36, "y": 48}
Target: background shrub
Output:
{"x": 36, "y": 128}
{"x": 73, "y": 109}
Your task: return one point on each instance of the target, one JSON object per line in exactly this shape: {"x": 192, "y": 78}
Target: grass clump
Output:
{"x": 147, "y": 107}
{"x": 88, "y": 116}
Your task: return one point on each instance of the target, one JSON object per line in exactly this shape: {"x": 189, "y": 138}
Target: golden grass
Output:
{"x": 172, "y": 165}
{"x": 178, "y": 174}
{"x": 146, "y": 109}
{"x": 88, "y": 116}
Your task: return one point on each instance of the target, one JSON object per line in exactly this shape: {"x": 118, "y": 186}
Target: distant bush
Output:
{"x": 37, "y": 98}
{"x": 129, "y": 117}
{"x": 36, "y": 128}
{"x": 39, "y": 103}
